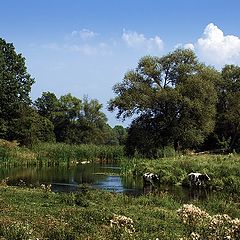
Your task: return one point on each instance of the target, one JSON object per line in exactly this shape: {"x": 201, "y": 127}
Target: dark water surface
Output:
{"x": 67, "y": 179}
{"x": 100, "y": 176}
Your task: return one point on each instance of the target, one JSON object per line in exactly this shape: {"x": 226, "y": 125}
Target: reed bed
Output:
{"x": 64, "y": 153}
{"x": 57, "y": 153}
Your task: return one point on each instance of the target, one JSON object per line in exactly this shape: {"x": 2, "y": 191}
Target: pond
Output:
{"x": 99, "y": 176}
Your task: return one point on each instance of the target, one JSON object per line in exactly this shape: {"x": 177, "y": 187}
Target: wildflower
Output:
{"x": 122, "y": 222}
{"x": 195, "y": 236}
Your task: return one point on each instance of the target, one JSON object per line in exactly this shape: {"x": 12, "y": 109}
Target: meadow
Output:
{"x": 39, "y": 213}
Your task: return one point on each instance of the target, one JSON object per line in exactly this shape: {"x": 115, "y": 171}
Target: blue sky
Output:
{"x": 85, "y": 47}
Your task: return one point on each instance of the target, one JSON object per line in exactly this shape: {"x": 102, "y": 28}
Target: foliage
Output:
{"x": 15, "y": 87}
{"x": 173, "y": 101}
{"x": 228, "y": 125}
{"x": 75, "y": 121}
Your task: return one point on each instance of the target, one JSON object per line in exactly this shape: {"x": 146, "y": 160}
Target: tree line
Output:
{"x": 65, "y": 119}
{"x": 174, "y": 100}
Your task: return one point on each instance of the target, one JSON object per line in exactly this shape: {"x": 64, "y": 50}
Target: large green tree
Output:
{"x": 172, "y": 100}
{"x": 15, "y": 87}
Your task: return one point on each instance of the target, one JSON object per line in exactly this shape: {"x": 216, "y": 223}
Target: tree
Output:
{"x": 15, "y": 87}
{"x": 93, "y": 123}
{"x": 172, "y": 98}
{"x": 47, "y": 105}
{"x": 121, "y": 134}
{"x": 32, "y": 128}
{"x": 227, "y": 129}
{"x": 74, "y": 120}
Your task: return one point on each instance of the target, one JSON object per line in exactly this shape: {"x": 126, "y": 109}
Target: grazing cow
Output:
{"x": 150, "y": 179}
{"x": 198, "y": 179}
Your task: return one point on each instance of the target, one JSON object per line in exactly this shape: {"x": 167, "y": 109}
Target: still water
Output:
{"x": 66, "y": 179}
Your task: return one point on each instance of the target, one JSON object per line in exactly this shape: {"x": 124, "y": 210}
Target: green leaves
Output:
{"x": 15, "y": 87}
{"x": 173, "y": 99}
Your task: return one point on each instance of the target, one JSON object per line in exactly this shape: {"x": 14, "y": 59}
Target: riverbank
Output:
{"x": 92, "y": 214}
{"x": 224, "y": 170}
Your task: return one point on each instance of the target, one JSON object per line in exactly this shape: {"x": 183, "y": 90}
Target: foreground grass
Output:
{"x": 91, "y": 214}
{"x": 40, "y": 214}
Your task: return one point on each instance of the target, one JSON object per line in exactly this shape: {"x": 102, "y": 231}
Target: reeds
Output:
{"x": 56, "y": 154}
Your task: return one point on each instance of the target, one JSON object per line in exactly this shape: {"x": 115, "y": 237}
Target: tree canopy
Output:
{"x": 172, "y": 99}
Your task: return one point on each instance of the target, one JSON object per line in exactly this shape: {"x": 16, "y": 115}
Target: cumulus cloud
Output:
{"x": 189, "y": 46}
{"x": 139, "y": 41}
{"x": 217, "y": 48}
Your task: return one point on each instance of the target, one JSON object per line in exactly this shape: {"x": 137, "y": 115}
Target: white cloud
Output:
{"x": 185, "y": 46}
{"x": 84, "y": 34}
{"x": 217, "y": 48}
{"x": 139, "y": 41}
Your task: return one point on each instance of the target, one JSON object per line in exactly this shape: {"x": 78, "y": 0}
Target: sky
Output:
{"x": 84, "y": 47}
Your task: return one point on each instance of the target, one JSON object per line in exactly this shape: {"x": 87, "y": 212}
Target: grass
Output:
{"x": 92, "y": 214}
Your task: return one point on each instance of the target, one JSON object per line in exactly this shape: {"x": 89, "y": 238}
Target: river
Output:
{"x": 99, "y": 176}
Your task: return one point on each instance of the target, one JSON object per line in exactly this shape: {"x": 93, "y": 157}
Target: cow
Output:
{"x": 150, "y": 179}
{"x": 197, "y": 179}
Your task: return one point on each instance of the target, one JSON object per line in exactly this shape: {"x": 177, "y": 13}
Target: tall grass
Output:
{"x": 64, "y": 153}
{"x": 57, "y": 153}
{"x": 12, "y": 154}
{"x": 93, "y": 214}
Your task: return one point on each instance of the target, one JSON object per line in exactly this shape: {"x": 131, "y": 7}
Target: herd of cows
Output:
{"x": 195, "y": 179}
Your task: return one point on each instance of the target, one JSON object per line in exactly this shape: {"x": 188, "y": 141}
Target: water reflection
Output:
{"x": 100, "y": 176}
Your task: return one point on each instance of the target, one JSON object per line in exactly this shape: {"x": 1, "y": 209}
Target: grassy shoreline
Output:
{"x": 57, "y": 153}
